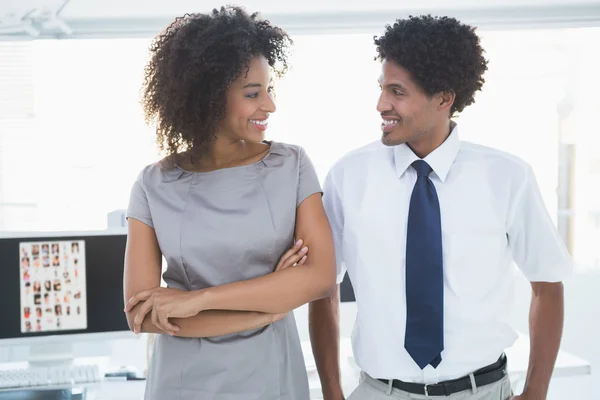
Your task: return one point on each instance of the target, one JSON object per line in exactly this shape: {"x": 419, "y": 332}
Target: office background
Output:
{"x": 73, "y": 138}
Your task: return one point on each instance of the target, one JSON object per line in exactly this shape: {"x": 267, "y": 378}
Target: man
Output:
{"x": 427, "y": 227}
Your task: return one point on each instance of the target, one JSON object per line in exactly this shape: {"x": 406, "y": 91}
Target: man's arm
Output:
{"x": 538, "y": 250}
{"x": 545, "y": 327}
{"x": 324, "y": 326}
{"x": 324, "y": 316}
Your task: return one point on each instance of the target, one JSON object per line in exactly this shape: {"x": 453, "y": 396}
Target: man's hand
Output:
{"x": 333, "y": 392}
{"x": 339, "y": 396}
{"x": 526, "y": 397}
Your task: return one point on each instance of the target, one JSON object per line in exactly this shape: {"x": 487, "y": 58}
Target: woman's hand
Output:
{"x": 164, "y": 303}
{"x": 294, "y": 256}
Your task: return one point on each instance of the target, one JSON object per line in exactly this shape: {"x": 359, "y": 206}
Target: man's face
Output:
{"x": 408, "y": 114}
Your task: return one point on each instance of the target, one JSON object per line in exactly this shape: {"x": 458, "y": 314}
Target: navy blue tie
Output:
{"x": 424, "y": 339}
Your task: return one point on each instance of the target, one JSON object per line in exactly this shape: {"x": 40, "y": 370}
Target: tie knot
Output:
{"x": 422, "y": 168}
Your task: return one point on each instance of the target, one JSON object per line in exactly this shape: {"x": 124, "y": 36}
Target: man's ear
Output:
{"x": 445, "y": 100}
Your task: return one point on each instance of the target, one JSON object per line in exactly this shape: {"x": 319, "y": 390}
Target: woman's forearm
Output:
{"x": 275, "y": 293}
{"x": 212, "y": 323}
{"x": 221, "y": 322}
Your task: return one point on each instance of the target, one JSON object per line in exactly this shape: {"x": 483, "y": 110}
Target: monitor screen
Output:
{"x": 61, "y": 285}
{"x": 346, "y": 290}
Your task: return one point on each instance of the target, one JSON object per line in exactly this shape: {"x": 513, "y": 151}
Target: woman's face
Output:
{"x": 249, "y": 103}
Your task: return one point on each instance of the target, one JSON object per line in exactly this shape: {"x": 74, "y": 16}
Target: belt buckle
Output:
{"x": 426, "y": 391}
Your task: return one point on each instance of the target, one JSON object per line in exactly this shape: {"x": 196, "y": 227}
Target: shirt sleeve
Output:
{"x": 333, "y": 208}
{"x": 138, "y": 202}
{"x": 308, "y": 183}
{"x": 537, "y": 248}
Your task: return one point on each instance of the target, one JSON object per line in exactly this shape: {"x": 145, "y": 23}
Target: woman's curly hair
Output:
{"x": 440, "y": 53}
{"x": 192, "y": 65}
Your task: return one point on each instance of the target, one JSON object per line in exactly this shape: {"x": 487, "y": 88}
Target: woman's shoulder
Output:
{"x": 156, "y": 172}
{"x": 289, "y": 150}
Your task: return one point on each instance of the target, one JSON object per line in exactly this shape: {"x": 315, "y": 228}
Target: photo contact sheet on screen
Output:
{"x": 53, "y": 286}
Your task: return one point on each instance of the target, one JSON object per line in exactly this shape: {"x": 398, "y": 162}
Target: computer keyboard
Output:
{"x": 39, "y": 376}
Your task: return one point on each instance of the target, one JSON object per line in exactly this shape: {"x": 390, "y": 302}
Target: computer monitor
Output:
{"x": 346, "y": 290}
{"x": 58, "y": 288}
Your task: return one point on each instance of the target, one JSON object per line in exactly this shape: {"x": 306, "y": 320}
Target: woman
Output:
{"x": 222, "y": 209}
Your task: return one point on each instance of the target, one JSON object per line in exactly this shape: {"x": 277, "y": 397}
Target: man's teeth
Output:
{"x": 258, "y": 122}
{"x": 389, "y": 121}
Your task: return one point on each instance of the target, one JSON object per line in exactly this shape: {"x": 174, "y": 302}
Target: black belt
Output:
{"x": 484, "y": 376}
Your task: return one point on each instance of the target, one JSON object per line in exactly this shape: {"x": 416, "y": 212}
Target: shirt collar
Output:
{"x": 440, "y": 159}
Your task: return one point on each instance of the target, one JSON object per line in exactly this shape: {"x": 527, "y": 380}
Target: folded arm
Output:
{"x": 285, "y": 290}
{"x": 210, "y": 323}
{"x": 142, "y": 272}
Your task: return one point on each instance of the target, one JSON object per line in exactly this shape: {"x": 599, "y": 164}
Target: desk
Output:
{"x": 567, "y": 364}
{"x": 117, "y": 390}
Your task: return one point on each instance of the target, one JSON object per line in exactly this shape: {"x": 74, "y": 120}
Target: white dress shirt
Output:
{"x": 492, "y": 215}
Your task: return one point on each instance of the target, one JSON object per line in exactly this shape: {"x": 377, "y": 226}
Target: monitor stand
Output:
{"x": 51, "y": 355}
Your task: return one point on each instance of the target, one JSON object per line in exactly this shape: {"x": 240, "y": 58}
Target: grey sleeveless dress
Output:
{"x": 214, "y": 228}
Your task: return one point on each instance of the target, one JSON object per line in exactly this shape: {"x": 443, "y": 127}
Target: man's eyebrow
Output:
{"x": 394, "y": 85}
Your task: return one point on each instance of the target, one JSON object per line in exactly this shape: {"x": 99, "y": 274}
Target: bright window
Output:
{"x": 75, "y": 140}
